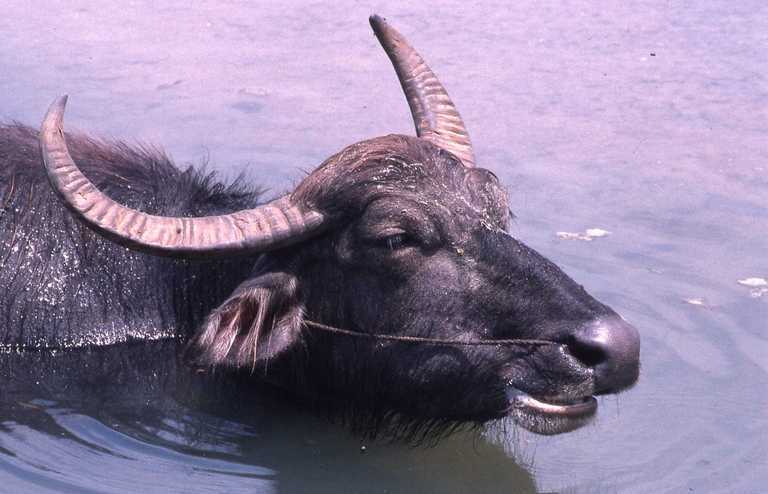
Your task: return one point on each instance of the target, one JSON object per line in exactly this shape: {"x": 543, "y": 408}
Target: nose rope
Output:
{"x": 429, "y": 341}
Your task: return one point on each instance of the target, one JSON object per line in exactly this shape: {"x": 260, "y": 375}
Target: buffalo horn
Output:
{"x": 270, "y": 226}
{"x": 434, "y": 114}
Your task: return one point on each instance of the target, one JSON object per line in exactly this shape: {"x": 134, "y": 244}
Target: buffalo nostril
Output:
{"x": 589, "y": 352}
{"x": 611, "y": 347}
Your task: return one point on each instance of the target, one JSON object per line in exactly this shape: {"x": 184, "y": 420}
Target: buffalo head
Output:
{"x": 395, "y": 236}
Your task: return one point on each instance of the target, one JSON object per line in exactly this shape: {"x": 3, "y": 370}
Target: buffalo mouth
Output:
{"x": 552, "y": 414}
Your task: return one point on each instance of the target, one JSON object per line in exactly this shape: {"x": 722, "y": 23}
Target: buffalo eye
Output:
{"x": 396, "y": 241}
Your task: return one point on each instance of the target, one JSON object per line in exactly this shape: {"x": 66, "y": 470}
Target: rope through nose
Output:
{"x": 429, "y": 341}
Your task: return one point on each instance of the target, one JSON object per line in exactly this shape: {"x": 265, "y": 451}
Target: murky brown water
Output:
{"x": 647, "y": 120}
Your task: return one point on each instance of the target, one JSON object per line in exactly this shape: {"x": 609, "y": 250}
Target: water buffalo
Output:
{"x": 386, "y": 280}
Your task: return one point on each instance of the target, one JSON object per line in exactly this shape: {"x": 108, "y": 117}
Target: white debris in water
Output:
{"x": 759, "y": 286}
{"x": 695, "y": 301}
{"x": 589, "y": 235}
{"x": 753, "y": 282}
{"x": 597, "y": 232}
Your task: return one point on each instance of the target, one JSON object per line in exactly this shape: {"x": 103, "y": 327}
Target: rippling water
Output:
{"x": 649, "y": 121}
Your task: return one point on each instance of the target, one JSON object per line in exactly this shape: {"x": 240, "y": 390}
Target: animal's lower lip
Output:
{"x": 570, "y": 408}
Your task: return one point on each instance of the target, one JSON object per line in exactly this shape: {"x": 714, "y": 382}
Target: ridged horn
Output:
{"x": 434, "y": 114}
{"x": 267, "y": 227}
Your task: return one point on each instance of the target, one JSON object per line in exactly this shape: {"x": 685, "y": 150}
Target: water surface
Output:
{"x": 649, "y": 121}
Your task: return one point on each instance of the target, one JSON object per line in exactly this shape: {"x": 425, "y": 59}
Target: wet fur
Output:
{"x": 63, "y": 286}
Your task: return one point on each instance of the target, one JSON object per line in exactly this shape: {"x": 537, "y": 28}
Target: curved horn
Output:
{"x": 434, "y": 114}
{"x": 273, "y": 225}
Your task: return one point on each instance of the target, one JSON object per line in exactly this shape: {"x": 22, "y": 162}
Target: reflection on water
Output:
{"x": 646, "y": 120}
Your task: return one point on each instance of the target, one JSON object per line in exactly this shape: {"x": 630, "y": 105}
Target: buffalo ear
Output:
{"x": 261, "y": 320}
